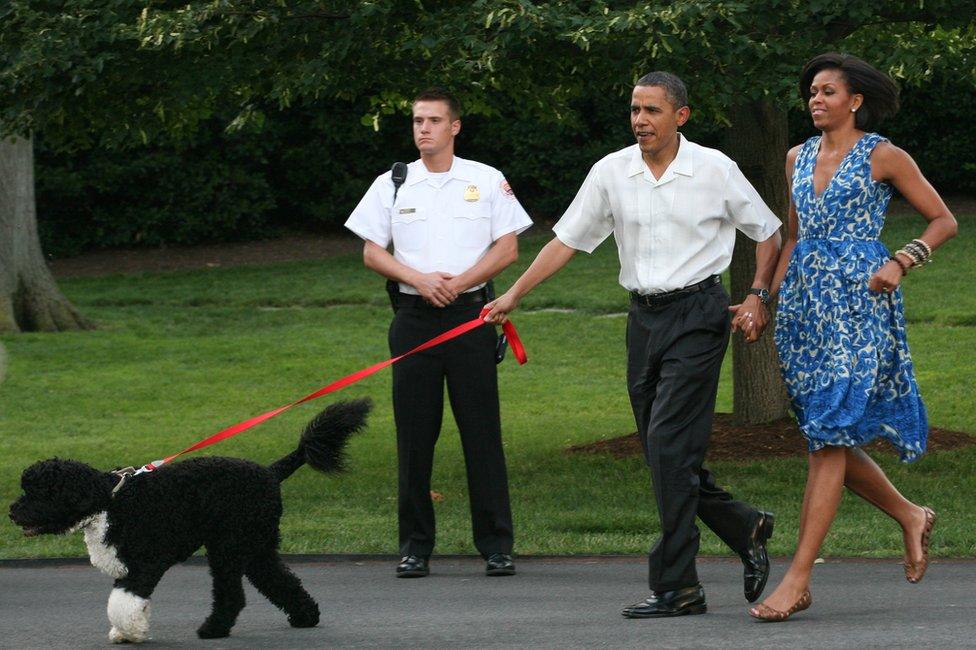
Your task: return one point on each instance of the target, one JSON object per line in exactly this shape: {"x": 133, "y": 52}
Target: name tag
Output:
{"x": 407, "y": 210}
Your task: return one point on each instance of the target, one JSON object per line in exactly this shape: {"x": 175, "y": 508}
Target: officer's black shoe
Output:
{"x": 500, "y": 564}
{"x": 755, "y": 561}
{"x": 413, "y": 566}
{"x": 678, "y": 602}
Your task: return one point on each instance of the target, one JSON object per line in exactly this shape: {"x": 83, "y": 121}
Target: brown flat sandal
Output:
{"x": 914, "y": 571}
{"x": 764, "y": 612}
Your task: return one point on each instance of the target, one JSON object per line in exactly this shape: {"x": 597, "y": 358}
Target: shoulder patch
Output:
{"x": 507, "y": 189}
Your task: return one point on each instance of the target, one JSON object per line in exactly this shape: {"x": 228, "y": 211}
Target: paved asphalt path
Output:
{"x": 551, "y": 603}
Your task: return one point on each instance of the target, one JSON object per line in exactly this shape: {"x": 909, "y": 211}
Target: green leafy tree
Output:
{"x": 46, "y": 58}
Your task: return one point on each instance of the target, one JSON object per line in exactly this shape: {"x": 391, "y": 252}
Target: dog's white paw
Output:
{"x": 115, "y": 636}
{"x": 129, "y": 616}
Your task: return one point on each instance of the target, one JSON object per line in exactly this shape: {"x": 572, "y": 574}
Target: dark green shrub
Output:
{"x": 309, "y": 167}
{"x": 215, "y": 190}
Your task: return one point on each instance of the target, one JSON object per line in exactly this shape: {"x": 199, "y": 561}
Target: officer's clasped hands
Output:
{"x": 436, "y": 288}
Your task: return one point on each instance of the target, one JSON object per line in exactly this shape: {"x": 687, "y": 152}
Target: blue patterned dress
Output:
{"x": 842, "y": 347}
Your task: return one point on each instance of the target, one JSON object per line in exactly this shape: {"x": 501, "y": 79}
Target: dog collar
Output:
{"x": 123, "y": 473}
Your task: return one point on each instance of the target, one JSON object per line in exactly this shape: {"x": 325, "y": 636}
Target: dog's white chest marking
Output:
{"x": 103, "y": 556}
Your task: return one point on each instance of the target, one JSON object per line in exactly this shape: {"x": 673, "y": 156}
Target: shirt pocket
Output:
{"x": 471, "y": 226}
{"x": 409, "y": 227}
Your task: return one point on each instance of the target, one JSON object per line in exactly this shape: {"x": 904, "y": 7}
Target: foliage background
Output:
{"x": 305, "y": 168}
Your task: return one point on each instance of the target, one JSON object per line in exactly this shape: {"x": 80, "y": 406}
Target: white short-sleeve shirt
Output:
{"x": 671, "y": 232}
{"x": 440, "y": 222}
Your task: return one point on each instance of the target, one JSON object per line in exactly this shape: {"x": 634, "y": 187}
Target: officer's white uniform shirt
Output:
{"x": 671, "y": 232}
{"x": 440, "y": 222}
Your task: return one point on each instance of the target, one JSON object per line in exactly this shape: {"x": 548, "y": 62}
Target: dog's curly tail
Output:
{"x": 323, "y": 442}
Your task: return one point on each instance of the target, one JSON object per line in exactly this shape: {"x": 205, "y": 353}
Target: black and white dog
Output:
{"x": 137, "y": 530}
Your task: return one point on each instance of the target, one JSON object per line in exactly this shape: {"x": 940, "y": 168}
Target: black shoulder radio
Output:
{"x": 398, "y": 174}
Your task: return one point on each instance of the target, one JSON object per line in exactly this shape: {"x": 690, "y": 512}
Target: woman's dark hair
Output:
{"x": 879, "y": 91}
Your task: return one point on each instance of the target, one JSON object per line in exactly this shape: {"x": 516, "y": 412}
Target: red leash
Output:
{"x": 513, "y": 340}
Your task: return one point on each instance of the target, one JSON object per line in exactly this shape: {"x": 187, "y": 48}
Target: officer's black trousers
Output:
{"x": 674, "y": 355}
{"x": 467, "y": 364}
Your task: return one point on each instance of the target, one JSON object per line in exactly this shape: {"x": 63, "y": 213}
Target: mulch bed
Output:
{"x": 779, "y": 439}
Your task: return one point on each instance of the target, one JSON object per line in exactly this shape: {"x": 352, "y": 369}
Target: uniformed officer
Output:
{"x": 453, "y": 224}
{"x": 673, "y": 207}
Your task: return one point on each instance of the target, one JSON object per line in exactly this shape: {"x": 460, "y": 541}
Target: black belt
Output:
{"x": 658, "y": 299}
{"x": 470, "y": 298}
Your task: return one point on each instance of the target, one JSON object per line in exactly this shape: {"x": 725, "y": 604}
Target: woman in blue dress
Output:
{"x": 840, "y": 329}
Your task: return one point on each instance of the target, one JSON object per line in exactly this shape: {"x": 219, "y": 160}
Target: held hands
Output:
{"x": 886, "y": 279}
{"x": 751, "y": 318}
{"x": 499, "y": 309}
{"x": 436, "y": 288}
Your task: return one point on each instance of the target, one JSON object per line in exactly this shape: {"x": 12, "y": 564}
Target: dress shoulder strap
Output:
{"x": 869, "y": 142}
{"x": 807, "y": 150}
{"x": 811, "y": 146}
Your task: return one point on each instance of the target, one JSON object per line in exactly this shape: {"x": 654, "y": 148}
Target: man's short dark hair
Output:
{"x": 879, "y": 91}
{"x": 673, "y": 86}
{"x": 441, "y": 95}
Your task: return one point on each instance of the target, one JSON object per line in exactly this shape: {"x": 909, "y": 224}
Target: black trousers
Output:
{"x": 467, "y": 363}
{"x": 674, "y": 355}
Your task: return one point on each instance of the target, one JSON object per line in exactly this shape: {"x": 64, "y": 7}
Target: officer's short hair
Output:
{"x": 673, "y": 86}
{"x": 437, "y": 94}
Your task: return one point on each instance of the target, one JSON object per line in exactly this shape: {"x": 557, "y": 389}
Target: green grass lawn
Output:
{"x": 179, "y": 356}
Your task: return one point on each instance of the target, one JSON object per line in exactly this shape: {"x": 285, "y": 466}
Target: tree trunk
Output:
{"x": 29, "y": 298}
{"x": 757, "y": 141}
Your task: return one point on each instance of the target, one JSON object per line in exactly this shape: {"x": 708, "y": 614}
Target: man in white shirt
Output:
{"x": 453, "y": 224}
{"x": 673, "y": 208}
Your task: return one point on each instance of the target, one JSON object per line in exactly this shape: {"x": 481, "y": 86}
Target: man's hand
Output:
{"x": 751, "y": 318}
{"x": 435, "y": 288}
{"x": 499, "y": 309}
{"x": 456, "y": 286}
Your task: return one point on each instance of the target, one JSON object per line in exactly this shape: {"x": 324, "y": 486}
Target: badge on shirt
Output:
{"x": 471, "y": 193}
{"x": 407, "y": 210}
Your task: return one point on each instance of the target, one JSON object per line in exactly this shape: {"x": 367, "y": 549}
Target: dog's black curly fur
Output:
{"x": 230, "y": 506}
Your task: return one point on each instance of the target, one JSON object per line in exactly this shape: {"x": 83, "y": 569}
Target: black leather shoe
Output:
{"x": 678, "y": 602}
{"x": 500, "y": 564}
{"x": 756, "y": 561}
{"x": 413, "y": 566}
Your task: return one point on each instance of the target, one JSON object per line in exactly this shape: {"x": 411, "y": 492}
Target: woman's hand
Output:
{"x": 886, "y": 279}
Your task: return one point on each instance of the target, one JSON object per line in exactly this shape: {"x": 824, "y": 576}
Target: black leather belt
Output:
{"x": 658, "y": 299}
{"x": 470, "y": 298}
